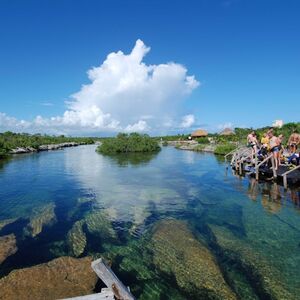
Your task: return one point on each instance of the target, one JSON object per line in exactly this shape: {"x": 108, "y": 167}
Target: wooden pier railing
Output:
{"x": 284, "y": 175}
{"x": 242, "y": 157}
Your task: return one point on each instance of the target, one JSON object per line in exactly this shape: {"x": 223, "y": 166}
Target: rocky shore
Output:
{"x": 49, "y": 147}
{"x": 192, "y": 146}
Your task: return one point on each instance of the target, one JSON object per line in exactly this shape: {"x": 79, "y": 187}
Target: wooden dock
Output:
{"x": 243, "y": 162}
{"x": 115, "y": 288}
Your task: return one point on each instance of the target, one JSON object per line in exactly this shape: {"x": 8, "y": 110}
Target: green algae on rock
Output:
{"x": 267, "y": 279}
{"x": 41, "y": 217}
{"x": 98, "y": 225}
{"x": 5, "y": 222}
{"x": 60, "y": 278}
{"x": 177, "y": 252}
{"x": 8, "y": 246}
{"x": 77, "y": 239}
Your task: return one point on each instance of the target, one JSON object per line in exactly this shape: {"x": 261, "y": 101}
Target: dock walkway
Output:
{"x": 262, "y": 167}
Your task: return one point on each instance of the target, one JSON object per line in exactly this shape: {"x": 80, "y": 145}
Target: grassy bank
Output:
{"x": 223, "y": 149}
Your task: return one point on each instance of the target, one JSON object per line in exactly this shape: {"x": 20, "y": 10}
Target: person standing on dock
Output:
{"x": 252, "y": 142}
{"x": 274, "y": 147}
{"x": 265, "y": 144}
{"x": 281, "y": 148}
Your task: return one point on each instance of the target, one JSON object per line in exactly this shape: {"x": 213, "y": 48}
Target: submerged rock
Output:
{"x": 95, "y": 223}
{"x": 267, "y": 279}
{"x": 41, "y": 217}
{"x": 8, "y": 246}
{"x": 77, "y": 238}
{"x": 98, "y": 224}
{"x": 60, "y": 278}
{"x": 178, "y": 253}
{"x": 5, "y": 222}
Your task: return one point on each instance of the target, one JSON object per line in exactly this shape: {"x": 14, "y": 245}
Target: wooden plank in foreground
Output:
{"x": 106, "y": 294}
{"x": 106, "y": 274}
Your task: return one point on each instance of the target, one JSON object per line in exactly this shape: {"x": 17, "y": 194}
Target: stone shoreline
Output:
{"x": 192, "y": 146}
{"x": 21, "y": 150}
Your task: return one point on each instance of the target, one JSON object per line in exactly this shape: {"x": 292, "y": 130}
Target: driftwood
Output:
{"x": 106, "y": 294}
{"x": 105, "y": 273}
{"x": 115, "y": 288}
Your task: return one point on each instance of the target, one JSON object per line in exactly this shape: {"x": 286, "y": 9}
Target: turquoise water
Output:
{"x": 160, "y": 220}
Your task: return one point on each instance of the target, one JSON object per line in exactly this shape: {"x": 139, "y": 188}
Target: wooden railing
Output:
{"x": 261, "y": 163}
{"x": 284, "y": 175}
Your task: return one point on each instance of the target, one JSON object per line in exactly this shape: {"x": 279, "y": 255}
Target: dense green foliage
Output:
{"x": 241, "y": 133}
{"x": 203, "y": 140}
{"x": 223, "y": 149}
{"x": 127, "y": 143}
{"x": 10, "y": 140}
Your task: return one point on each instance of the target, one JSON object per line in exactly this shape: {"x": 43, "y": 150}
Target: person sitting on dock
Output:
{"x": 294, "y": 141}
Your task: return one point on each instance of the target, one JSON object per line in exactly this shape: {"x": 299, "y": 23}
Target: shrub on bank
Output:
{"x": 128, "y": 143}
{"x": 203, "y": 140}
{"x": 223, "y": 149}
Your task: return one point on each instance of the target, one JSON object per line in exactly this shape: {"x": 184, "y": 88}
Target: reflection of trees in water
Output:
{"x": 4, "y": 161}
{"x": 134, "y": 159}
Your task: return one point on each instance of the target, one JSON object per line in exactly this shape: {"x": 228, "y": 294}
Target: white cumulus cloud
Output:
{"x": 187, "y": 121}
{"x": 225, "y": 125}
{"x": 124, "y": 94}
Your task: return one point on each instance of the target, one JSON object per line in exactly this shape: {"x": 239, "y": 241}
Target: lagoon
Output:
{"x": 175, "y": 225}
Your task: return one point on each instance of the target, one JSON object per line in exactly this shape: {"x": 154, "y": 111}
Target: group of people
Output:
{"x": 270, "y": 143}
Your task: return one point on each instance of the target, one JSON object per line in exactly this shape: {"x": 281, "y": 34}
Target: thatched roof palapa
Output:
{"x": 227, "y": 131}
{"x": 199, "y": 133}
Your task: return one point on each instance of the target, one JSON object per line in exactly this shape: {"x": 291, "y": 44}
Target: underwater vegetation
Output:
{"x": 178, "y": 253}
{"x": 43, "y": 216}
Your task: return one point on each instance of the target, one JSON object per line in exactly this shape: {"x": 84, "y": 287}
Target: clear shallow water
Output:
{"x": 128, "y": 209}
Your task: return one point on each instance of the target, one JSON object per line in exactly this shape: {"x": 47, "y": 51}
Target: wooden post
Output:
{"x": 285, "y": 181}
{"x": 284, "y": 175}
{"x": 273, "y": 167}
{"x": 256, "y": 168}
{"x": 106, "y": 274}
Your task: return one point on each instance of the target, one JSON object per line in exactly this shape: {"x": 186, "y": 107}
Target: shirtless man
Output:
{"x": 252, "y": 142}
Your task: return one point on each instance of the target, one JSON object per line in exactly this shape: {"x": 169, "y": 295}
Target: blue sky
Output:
{"x": 244, "y": 54}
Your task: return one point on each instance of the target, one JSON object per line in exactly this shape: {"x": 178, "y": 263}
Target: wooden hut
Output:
{"x": 227, "y": 131}
{"x": 199, "y": 133}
